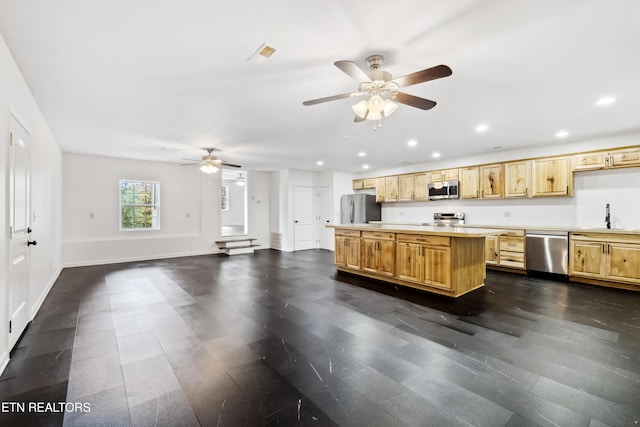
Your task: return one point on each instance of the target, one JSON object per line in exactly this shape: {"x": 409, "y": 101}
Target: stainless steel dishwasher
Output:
{"x": 547, "y": 251}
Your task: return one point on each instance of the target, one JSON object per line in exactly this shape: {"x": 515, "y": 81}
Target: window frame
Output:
{"x": 153, "y": 205}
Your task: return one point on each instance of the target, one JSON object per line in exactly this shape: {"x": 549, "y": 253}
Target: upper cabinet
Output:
{"x": 469, "y": 183}
{"x": 443, "y": 175}
{"x": 391, "y": 189}
{"x": 552, "y": 177}
{"x": 361, "y": 184}
{"x": 517, "y": 179}
{"x": 491, "y": 181}
{"x": 381, "y": 190}
{"x": 483, "y": 182}
{"x": 621, "y": 158}
{"x": 412, "y": 187}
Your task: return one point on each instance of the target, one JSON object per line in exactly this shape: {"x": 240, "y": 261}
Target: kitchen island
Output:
{"x": 444, "y": 260}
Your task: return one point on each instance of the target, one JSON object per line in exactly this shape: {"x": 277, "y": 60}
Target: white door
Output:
{"x": 303, "y": 219}
{"x": 326, "y": 236}
{"x": 19, "y": 197}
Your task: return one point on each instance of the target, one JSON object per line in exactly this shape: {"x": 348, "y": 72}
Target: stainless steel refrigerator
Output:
{"x": 359, "y": 209}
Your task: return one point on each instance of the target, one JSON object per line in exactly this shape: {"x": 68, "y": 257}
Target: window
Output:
{"x": 224, "y": 198}
{"x": 139, "y": 205}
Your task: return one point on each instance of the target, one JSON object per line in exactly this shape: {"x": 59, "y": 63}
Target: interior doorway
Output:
{"x": 303, "y": 218}
{"x": 233, "y": 204}
{"x": 19, "y": 228}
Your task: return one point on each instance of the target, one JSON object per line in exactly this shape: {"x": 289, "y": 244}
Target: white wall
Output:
{"x": 46, "y": 189}
{"x": 592, "y": 190}
{"x": 259, "y": 209}
{"x": 235, "y": 214}
{"x": 189, "y": 211}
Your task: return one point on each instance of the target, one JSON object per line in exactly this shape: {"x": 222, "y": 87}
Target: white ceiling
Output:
{"x": 153, "y": 79}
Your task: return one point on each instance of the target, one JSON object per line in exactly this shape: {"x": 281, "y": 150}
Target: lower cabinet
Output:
{"x": 609, "y": 257}
{"x": 379, "y": 253}
{"x": 491, "y": 250}
{"x": 347, "y": 248}
{"x": 425, "y": 260}
{"x": 506, "y": 250}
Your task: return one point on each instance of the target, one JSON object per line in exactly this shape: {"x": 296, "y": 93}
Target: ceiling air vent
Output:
{"x": 263, "y": 53}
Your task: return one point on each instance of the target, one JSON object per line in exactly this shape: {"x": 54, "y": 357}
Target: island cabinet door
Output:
{"x": 437, "y": 266}
{"x": 370, "y": 255}
{"x": 353, "y": 253}
{"x": 409, "y": 261}
{"x": 387, "y": 252}
{"x": 340, "y": 252}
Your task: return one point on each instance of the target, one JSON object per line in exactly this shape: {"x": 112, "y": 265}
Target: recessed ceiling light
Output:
{"x": 412, "y": 143}
{"x": 482, "y": 128}
{"x": 319, "y": 163}
{"x": 562, "y": 134}
{"x": 365, "y": 166}
{"x": 606, "y": 100}
{"x": 435, "y": 155}
{"x": 362, "y": 154}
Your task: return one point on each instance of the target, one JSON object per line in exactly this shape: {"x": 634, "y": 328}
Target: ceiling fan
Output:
{"x": 382, "y": 90}
{"x": 210, "y": 163}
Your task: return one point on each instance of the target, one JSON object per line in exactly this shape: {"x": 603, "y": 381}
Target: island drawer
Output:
{"x": 378, "y": 235}
{"x": 512, "y": 259}
{"x": 349, "y": 233}
{"x": 425, "y": 239}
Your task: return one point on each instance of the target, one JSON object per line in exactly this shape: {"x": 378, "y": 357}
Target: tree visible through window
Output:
{"x": 224, "y": 198}
{"x": 139, "y": 205}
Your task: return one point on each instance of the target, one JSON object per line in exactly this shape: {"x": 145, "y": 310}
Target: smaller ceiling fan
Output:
{"x": 210, "y": 163}
{"x": 382, "y": 90}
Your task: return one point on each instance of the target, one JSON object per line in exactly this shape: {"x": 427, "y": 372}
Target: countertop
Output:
{"x": 423, "y": 229}
{"x": 530, "y": 228}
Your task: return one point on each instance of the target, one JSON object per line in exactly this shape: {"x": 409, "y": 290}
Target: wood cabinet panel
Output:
{"x": 469, "y": 183}
{"x": 517, "y": 177}
{"x": 590, "y": 161}
{"x": 491, "y": 182}
{"x": 491, "y": 250}
{"x": 387, "y": 263}
{"x": 623, "y": 262}
{"x": 381, "y": 189}
{"x": 378, "y": 256}
{"x": 425, "y": 239}
{"x": 391, "y": 189}
{"x": 369, "y": 183}
{"x": 405, "y": 188}
{"x": 358, "y": 184}
{"x": 444, "y": 175}
{"x": 587, "y": 258}
{"x": 409, "y": 261}
{"x": 437, "y": 266}
{"x": 624, "y": 158}
{"x": 420, "y": 186}
{"x": 552, "y": 177}
{"x": 352, "y": 258}
{"x": 340, "y": 251}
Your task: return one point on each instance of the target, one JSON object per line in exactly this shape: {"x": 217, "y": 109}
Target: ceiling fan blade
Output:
{"x": 231, "y": 165}
{"x": 189, "y": 164}
{"x": 329, "y": 98}
{"x": 425, "y": 75}
{"x": 353, "y": 71}
{"x": 359, "y": 119}
{"x": 414, "y": 101}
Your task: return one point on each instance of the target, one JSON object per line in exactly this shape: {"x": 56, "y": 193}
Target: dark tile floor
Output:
{"x": 282, "y": 339}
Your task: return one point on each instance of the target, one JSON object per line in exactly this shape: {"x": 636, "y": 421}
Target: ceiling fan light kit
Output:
{"x": 382, "y": 90}
{"x": 211, "y": 164}
{"x": 209, "y": 167}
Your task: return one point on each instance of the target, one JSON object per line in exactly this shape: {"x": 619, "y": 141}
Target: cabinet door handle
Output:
{"x": 608, "y": 248}
{"x": 526, "y": 191}
{"x": 603, "y": 248}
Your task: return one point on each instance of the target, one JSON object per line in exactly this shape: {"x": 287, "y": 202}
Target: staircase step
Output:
{"x": 235, "y": 243}
{"x": 247, "y": 249}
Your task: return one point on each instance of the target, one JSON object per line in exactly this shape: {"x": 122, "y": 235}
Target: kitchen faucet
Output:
{"x": 607, "y": 217}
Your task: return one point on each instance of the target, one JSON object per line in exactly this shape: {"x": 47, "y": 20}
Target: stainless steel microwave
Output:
{"x": 443, "y": 190}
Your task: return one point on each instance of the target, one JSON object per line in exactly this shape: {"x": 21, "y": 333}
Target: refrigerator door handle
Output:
{"x": 353, "y": 211}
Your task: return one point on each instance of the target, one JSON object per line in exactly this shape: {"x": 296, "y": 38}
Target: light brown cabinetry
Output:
{"x": 425, "y": 259}
{"x": 444, "y": 175}
{"x": 412, "y": 187}
{"x": 365, "y": 183}
{"x": 491, "y": 250}
{"x": 491, "y": 181}
{"x": 381, "y": 189}
{"x": 621, "y": 158}
{"x": 378, "y": 253}
{"x": 517, "y": 179}
{"x": 358, "y": 184}
{"x": 552, "y": 177}
{"x": 391, "y": 189}
{"x": 469, "y": 183}
{"x": 608, "y": 257}
{"x": 347, "y": 248}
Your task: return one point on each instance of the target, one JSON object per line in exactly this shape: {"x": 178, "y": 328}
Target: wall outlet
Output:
{"x": 507, "y": 214}
{"x": 91, "y": 215}
{"x": 188, "y": 214}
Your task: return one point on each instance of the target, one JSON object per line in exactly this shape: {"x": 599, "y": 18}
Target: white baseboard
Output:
{"x": 45, "y": 292}
{"x": 4, "y": 361}
{"x": 138, "y": 258}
